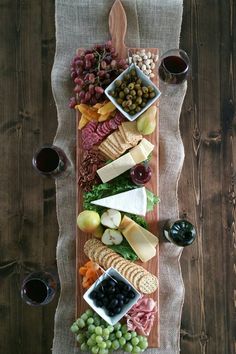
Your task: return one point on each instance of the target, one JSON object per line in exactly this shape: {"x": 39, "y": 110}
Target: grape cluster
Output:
{"x": 92, "y": 71}
{"x": 96, "y": 336}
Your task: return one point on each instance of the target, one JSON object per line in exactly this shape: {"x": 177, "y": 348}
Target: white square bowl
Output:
{"x": 145, "y": 80}
{"x": 111, "y": 272}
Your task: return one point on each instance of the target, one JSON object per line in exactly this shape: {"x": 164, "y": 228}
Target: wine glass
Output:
{"x": 174, "y": 66}
{"x": 39, "y": 288}
{"x": 50, "y": 161}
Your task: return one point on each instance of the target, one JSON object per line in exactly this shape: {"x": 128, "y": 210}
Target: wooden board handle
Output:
{"x": 118, "y": 27}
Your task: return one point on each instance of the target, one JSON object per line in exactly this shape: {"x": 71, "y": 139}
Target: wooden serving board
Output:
{"x": 118, "y": 25}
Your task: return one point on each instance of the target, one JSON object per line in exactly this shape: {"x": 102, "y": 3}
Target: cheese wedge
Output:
{"x": 126, "y": 222}
{"x": 142, "y": 247}
{"x": 133, "y": 201}
{"x": 116, "y": 168}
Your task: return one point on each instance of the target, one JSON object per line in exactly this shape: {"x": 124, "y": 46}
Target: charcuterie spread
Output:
{"x": 116, "y": 116}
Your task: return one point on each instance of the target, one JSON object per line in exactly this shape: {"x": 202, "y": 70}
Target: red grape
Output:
{"x": 87, "y": 96}
{"x": 72, "y": 102}
{"x": 79, "y": 81}
{"x": 82, "y": 94}
{"x": 89, "y": 56}
{"x": 78, "y": 88}
{"x": 91, "y": 89}
{"x": 99, "y": 89}
{"x": 88, "y": 64}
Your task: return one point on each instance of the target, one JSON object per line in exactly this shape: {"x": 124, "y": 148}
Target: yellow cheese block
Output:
{"x": 142, "y": 247}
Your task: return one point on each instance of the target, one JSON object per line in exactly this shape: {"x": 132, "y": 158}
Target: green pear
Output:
{"x": 146, "y": 123}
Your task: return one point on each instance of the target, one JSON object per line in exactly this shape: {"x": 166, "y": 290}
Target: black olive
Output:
{"x": 114, "y": 303}
{"x": 98, "y": 303}
{"x": 117, "y": 310}
{"x": 131, "y": 294}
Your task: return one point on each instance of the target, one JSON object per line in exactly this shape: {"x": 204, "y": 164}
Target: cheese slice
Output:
{"x": 147, "y": 146}
{"x": 116, "y": 168}
{"x": 126, "y": 222}
{"x": 142, "y": 247}
{"x": 138, "y": 154}
{"x": 133, "y": 201}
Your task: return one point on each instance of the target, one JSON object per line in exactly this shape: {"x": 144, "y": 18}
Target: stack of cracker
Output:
{"x": 139, "y": 277}
{"x": 124, "y": 138}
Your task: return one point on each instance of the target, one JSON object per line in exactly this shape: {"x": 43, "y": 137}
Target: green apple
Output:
{"x": 88, "y": 221}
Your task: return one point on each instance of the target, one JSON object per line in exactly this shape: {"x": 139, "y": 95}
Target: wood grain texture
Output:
{"x": 151, "y": 217}
{"x": 118, "y": 27}
{"x": 28, "y": 218}
{"x": 208, "y": 178}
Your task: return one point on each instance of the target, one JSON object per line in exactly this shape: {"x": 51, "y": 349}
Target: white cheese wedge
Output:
{"x": 142, "y": 247}
{"x": 133, "y": 201}
{"x": 148, "y": 147}
{"x": 116, "y": 168}
{"x": 138, "y": 154}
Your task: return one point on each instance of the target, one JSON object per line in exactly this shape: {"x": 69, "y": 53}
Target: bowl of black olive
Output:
{"x": 132, "y": 92}
{"x": 111, "y": 296}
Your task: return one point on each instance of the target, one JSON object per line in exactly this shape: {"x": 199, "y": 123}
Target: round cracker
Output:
{"x": 97, "y": 252}
{"x": 110, "y": 261}
{"x": 103, "y": 253}
{"x": 148, "y": 284}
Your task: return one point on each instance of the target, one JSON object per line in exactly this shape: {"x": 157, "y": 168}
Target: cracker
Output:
{"x": 97, "y": 252}
{"x": 133, "y": 274}
{"x": 110, "y": 154}
{"x": 110, "y": 143}
{"x": 111, "y": 261}
{"x": 92, "y": 243}
{"x": 138, "y": 277}
{"x": 131, "y": 132}
{"x": 116, "y": 261}
{"x": 122, "y": 267}
{"x": 106, "y": 259}
{"x": 103, "y": 253}
{"x": 148, "y": 283}
{"x": 130, "y": 268}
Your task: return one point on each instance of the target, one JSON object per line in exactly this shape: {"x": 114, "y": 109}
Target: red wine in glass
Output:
{"x": 174, "y": 66}
{"x": 39, "y": 288}
{"x": 50, "y": 160}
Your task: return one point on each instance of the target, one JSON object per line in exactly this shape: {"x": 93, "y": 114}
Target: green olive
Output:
{"x": 132, "y": 107}
{"x": 127, "y": 77}
{"x": 133, "y": 92}
{"x": 138, "y": 109}
{"x": 132, "y": 113}
{"x": 124, "y": 104}
{"x": 129, "y": 97}
{"x": 139, "y": 100}
{"x": 118, "y": 83}
{"x": 128, "y": 103}
{"x": 119, "y": 101}
{"x": 143, "y": 104}
{"x": 152, "y": 94}
{"x": 139, "y": 93}
{"x": 139, "y": 81}
{"x": 126, "y": 90}
{"x": 133, "y": 72}
{"x": 137, "y": 87}
{"x": 121, "y": 94}
{"x": 150, "y": 88}
{"x": 144, "y": 89}
{"x": 146, "y": 95}
{"x": 126, "y": 109}
{"x": 131, "y": 86}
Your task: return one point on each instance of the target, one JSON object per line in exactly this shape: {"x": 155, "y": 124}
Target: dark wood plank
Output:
{"x": 206, "y": 188}
{"x": 28, "y": 221}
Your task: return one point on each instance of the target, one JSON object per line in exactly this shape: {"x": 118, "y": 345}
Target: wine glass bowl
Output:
{"x": 174, "y": 66}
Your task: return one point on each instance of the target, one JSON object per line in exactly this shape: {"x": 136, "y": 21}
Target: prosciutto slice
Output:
{"x": 141, "y": 316}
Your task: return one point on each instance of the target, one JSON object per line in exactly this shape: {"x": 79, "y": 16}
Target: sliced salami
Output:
{"x": 112, "y": 124}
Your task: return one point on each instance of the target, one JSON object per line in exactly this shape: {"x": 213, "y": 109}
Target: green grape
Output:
{"x": 122, "y": 341}
{"x": 136, "y": 349}
{"x": 84, "y": 316}
{"x": 74, "y": 328}
{"x": 108, "y": 343}
{"x": 135, "y": 341}
{"x": 99, "y": 339}
{"x": 93, "y": 336}
{"x": 112, "y": 336}
{"x": 128, "y": 347}
{"x": 115, "y": 344}
{"x": 133, "y": 334}
{"x": 105, "y": 332}
{"x": 80, "y": 338}
{"x": 90, "y": 321}
{"x": 89, "y": 312}
{"x": 80, "y": 323}
{"x": 117, "y": 326}
{"x": 91, "y": 342}
{"x": 118, "y": 334}
{"x": 143, "y": 345}
{"x": 95, "y": 349}
{"x": 127, "y": 336}
{"x": 84, "y": 347}
{"x": 106, "y": 337}
{"x": 91, "y": 328}
{"x": 124, "y": 329}
{"x": 110, "y": 328}
{"x": 98, "y": 330}
{"x": 97, "y": 321}
{"x": 102, "y": 345}
{"x": 103, "y": 351}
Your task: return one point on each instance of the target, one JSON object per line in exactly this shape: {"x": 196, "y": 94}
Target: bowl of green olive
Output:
{"x": 132, "y": 92}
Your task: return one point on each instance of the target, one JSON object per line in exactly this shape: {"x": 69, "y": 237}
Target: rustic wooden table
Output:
{"x": 28, "y": 222}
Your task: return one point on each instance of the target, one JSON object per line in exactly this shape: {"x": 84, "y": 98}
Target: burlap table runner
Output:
{"x": 151, "y": 23}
